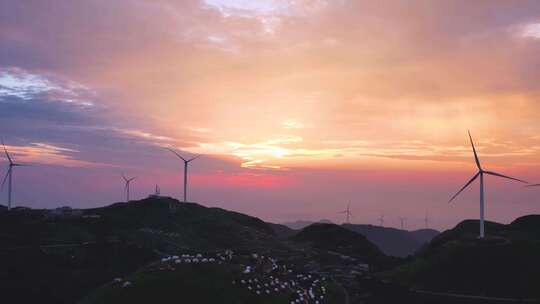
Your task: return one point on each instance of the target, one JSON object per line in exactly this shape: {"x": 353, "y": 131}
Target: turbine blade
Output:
{"x": 5, "y": 179}
{"x": 466, "y": 185}
{"x": 7, "y": 154}
{"x": 176, "y": 153}
{"x": 129, "y": 180}
{"x": 533, "y": 185}
{"x": 504, "y": 176}
{"x": 194, "y": 158}
{"x": 474, "y": 151}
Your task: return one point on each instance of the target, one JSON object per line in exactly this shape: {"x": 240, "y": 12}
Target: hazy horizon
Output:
{"x": 298, "y": 107}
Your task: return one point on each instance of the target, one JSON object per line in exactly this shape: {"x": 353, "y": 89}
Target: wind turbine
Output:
{"x": 348, "y": 213}
{"x": 480, "y": 174}
{"x": 126, "y": 188}
{"x": 186, "y": 162}
{"x": 402, "y": 221}
{"x": 381, "y": 220}
{"x": 9, "y": 175}
{"x": 426, "y": 221}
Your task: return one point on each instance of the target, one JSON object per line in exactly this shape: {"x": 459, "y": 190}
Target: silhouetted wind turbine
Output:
{"x": 347, "y": 213}
{"x": 9, "y": 174}
{"x": 480, "y": 174}
{"x": 402, "y": 221}
{"x": 426, "y": 221}
{"x": 186, "y": 162}
{"x": 126, "y": 188}
{"x": 381, "y": 220}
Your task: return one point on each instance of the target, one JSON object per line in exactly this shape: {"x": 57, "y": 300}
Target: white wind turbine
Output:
{"x": 381, "y": 220}
{"x": 402, "y": 221}
{"x": 347, "y": 213}
{"x": 426, "y": 221}
{"x": 480, "y": 174}
{"x": 128, "y": 183}
{"x": 186, "y": 162}
{"x": 9, "y": 174}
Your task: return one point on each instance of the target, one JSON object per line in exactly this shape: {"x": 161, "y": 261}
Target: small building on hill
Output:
{"x": 65, "y": 212}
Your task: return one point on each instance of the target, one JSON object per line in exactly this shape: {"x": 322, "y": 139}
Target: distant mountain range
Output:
{"x": 301, "y": 224}
{"x": 390, "y": 241}
{"x": 394, "y": 242}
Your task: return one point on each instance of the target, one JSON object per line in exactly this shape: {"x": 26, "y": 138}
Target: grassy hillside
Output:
{"x": 209, "y": 283}
{"x": 190, "y": 226}
{"x": 64, "y": 274}
{"x": 504, "y": 264}
{"x": 59, "y": 259}
{"x": 331, "y": 237}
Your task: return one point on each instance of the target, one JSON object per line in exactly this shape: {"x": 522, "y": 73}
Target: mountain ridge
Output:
{"x": 393, "y": 241}
{"x": 503, "y": 264}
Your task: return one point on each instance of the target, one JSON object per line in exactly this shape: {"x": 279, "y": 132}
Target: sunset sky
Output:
{"x": 298, "y": 106}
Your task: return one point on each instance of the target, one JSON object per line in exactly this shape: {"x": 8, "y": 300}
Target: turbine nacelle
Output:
{"x": 182, "y": 158}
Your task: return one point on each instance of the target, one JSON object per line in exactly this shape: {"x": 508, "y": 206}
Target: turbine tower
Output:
{"x": 9, "y": 175}
{"x": 480, "y": 174}
{"x": 186, "y": 162}
{"x": 126, "y": 188}
{"x": 381, "y": 220}
{"x": 426, "y": 221}
{"x": 402, "y": 221}
{"x": 347, "y": 213}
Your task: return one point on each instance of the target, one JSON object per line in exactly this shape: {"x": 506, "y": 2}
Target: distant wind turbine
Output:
{"x": 402, "y": 221}
{"x": 186, "y": 162}
{"x": 426, "y": 221}
{"x": 347, "y": 213}
{"x": 9, "y": 175}
{"x": 128, "y": 183}
{"x": 381, "y": 220}
{"x": 480, "y": 174}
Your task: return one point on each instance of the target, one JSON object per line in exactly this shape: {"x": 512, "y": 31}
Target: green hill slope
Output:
{"x": 189, "y": 226}
{"x": 331, "y": 237}
{"x": 57, "y": 259}
{"x": 213, "y": 282}
{"x": 504, "y": 264}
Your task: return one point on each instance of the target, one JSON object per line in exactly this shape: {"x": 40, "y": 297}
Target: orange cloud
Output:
{"x": 243, "y": 180}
